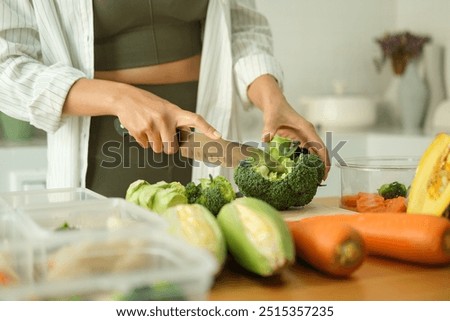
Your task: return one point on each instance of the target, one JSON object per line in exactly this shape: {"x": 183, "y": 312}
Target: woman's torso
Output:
{"x": 148, "y": 41}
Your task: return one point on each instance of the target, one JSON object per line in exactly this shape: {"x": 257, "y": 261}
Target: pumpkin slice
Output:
{"x": 430, "y": 189}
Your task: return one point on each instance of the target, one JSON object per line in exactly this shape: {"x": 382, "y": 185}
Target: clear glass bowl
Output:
{"x": 368, "y": 174}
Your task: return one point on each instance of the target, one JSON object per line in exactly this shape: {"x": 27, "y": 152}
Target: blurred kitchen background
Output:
{"x": 335, "y": 76}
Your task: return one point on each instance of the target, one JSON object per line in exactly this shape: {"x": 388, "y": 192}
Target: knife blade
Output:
{"x": 221, "y": 152}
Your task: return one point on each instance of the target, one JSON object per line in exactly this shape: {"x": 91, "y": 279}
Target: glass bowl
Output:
{"x": 362, "y": 177}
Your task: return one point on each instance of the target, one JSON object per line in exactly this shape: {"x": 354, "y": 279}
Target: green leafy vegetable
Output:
{"x": 213, "y": 193}
{"x": 156, "y": 197}
{"x": 284, "y": 177}
{"x": 392, "y": 190}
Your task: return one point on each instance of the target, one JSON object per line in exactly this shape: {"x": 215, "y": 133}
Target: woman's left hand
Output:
{"x": 280, "y": 118}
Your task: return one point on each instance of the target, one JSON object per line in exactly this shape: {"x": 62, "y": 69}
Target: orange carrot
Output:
{"x": 370, "y": 203}
{"x": 419, "y": 238}
{"x": 349, "y": 202}
{"x": 373, "y": 202}
{"x": 335, "y": 249}
{"x": 396, "y": 205}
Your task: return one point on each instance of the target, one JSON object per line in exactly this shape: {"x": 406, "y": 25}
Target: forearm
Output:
{"x": 264, "y": 92}
{"x": 95, "y": 97}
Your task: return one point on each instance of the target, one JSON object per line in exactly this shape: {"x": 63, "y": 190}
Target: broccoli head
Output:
{"x": 289, "y": 179}
{"x": 213, "y": 193}
{"x": 392, "y": 190}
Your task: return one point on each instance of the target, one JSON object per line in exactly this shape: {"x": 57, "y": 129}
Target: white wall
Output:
{"x": 430, "y": 17}
{"x": 321, "y": 41}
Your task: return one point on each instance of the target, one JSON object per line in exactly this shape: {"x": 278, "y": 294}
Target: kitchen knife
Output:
{"x": 219, "y": 152}
{"x": 199, "y": 147}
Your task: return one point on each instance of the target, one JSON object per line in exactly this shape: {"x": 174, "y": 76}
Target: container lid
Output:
{"x": 380, "y": 163}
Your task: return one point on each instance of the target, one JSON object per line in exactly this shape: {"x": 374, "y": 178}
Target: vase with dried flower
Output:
{"x": 408, "y": 90}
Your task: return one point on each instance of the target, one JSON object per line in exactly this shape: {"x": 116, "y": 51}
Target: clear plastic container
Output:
{"x": 106, "y": 214}
{"x": 35, "y": 198}
{"x": 15, "y": 251}
{"x": 368, "y": 174}
{"x": 119, "y": 265}
{"x": 14, "y": 228}
{"x": 115, "y": 251}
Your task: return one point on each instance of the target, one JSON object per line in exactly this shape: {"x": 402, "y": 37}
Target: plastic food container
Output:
{"x": 120, "y": 265}
{"x": 15, "y": 253}
{"x": 363, "y": 177}
{"x": 101, "y": 214}
{"x": 107, "y": 249}
{"x": 34, "y": 198}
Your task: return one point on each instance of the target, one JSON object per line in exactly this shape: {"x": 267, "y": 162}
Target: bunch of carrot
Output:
{"x": 373, "y": 202}
{"x": 338, "y": 244}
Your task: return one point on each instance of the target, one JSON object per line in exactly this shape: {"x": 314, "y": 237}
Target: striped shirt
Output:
{"x": 47, "y": 45}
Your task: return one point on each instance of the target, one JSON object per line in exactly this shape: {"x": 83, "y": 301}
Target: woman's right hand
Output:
{"x": 151, "y": 120}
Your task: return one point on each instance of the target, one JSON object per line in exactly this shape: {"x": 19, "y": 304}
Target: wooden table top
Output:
{"x": 377, "y": 279}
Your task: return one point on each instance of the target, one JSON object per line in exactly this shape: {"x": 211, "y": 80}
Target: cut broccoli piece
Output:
{"x": 192, "y": 192}
{"x": 213, "y": 193}
{"x": 392, "y": 190}
{"x": 292, "y": 182}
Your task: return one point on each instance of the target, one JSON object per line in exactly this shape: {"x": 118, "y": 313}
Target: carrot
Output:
{"x": 420, "y": 238}
{"x": 335, "y": 249}
{"x": 373, "y": 202}
{"x": 370, "y": 203}
{"x": 349, "y": 202}
{"x": 396, "y": 205}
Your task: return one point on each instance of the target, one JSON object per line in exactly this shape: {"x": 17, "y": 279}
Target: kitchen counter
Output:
{"x": 377, "y": 279}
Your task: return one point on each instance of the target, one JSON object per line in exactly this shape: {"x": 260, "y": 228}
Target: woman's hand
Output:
{"x": 281, "y": 119}
{"x": 151, "y": 120}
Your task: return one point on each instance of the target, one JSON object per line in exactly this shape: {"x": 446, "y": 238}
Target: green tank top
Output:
{"x": 135, "y": 33}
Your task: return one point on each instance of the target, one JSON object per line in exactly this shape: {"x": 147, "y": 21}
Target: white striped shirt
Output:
{"x": 46, "y": 45}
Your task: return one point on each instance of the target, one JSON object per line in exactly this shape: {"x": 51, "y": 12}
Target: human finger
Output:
{"x": 141, "y": 139}
{"x": 316, "y": 146}
{"x": 198, "y": 122}
{"x": 155, "y": 143}
{"x": 169, "y": 141}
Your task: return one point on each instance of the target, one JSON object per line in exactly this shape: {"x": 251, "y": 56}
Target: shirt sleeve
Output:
{"x": 29, "y": 89}
{"x": 252, "y": 47}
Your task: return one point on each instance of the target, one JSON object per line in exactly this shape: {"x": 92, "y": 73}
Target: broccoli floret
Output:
{"x": 292, "y": 181}
{"x": 392, "y": 190}
{"x": 213, "y": 193}
{"x": 192, "y": 192}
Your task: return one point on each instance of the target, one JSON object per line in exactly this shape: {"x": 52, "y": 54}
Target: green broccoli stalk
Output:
{"x": 213, "y": 193}
{"x": 392, "y": 190}
{"x": 291, "y": 178}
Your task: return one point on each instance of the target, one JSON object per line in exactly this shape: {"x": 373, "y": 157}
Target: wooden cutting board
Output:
{"x": 313, "y": 209}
